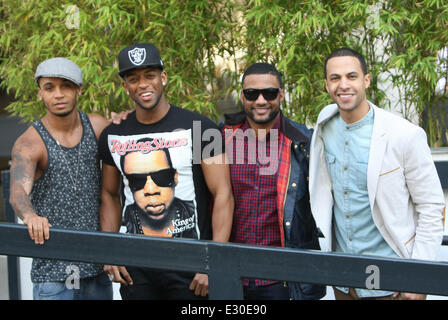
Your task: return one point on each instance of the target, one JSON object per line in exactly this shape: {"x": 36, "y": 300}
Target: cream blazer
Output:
{"x": 405, "y": 193}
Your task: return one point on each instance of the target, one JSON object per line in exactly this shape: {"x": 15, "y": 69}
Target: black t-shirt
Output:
{"x": 160, "y": 166}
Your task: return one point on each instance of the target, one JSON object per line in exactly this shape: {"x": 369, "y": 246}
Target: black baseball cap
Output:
{"x": 138, "y": 55}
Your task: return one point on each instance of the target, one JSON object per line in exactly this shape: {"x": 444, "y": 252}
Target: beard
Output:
{"x": 271, "y": 116}
{"x": 64, "y": 113}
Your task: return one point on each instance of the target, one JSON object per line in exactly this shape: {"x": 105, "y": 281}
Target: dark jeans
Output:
{"x": 276, "y": 291}
{"x": 151, "y": 284}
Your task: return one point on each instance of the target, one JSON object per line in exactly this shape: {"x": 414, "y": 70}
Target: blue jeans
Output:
{"x": 94, "y": 288}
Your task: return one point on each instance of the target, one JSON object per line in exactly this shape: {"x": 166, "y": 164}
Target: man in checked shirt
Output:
{"x": 268, "y": 156}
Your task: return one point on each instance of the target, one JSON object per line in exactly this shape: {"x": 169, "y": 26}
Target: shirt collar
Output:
{"x": 367, "y": 119}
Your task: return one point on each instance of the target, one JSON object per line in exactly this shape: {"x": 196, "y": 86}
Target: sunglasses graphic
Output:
{"x": 268, "y": 93}
{"x": 162, "y": 178}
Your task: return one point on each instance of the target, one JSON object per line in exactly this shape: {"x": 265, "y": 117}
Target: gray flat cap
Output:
{"x": 59, "y": 68}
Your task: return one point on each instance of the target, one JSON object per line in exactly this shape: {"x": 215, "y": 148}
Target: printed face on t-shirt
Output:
{"x": 152, "y": 181}
{"x": 150, "y": 157}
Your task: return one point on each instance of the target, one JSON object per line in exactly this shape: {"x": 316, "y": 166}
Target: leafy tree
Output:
{"x": 207, "y": 44}
{"x": 189, "y": 35}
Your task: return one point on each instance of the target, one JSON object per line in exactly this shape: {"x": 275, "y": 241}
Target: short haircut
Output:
{"x": 346, "y": 52}
{"x": 144, "y": 140}
{"x": 262, "y": 68}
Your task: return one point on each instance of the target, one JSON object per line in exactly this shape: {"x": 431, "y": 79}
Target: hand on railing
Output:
{"x": 200, "y": 284}
{"x": 38, "y": 227}
{"x": 118, "y": 274}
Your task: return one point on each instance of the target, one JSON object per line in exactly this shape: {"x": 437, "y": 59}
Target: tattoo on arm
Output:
{"x": 22, "y": 178}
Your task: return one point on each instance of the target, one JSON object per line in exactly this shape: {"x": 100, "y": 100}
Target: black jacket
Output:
{"x": 299, "y": 228}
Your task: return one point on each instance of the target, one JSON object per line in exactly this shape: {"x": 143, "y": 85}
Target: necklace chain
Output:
{"x": 75, "y": 179}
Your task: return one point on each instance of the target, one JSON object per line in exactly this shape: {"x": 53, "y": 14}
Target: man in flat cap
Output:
{"x": 150, "y": 180}
{"x": 55, "y": 182}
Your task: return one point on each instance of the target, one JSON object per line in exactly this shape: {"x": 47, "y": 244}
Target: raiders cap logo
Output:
{"x": 137, "y": 56}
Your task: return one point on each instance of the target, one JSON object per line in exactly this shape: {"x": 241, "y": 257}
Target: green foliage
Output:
{"x": 399, "y": 38}
{"x": 188, "y": 34}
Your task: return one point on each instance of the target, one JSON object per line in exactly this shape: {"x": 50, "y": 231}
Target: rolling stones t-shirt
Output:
{"x": 164, "y": 189}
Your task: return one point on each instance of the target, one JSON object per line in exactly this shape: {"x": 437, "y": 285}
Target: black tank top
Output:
{"x": 68, "y": 195}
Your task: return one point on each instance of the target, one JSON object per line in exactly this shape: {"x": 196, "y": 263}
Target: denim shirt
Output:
{"x": 347, "y": 149}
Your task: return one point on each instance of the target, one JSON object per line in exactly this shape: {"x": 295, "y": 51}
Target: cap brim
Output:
{"x": 123, "y": 72}
{"x": 54, "y": 75}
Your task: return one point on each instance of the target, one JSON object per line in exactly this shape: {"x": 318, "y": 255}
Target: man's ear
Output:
{"x": 164, "y": 78}
{"x": 282, "y": 95}
{"x": 326, "y": 85}
{"x": 242, "y": 97}
{"x": 367, "y": 80}
{"x": 176, "y": 178}
{"x": 123, "y": 83}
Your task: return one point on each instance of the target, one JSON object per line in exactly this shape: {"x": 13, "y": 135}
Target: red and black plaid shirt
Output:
{"x": 256, "y": 220}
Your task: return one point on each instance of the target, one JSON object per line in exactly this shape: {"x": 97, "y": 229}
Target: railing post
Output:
{"x": 13, "y": 262}
{"x": 224, "y": 279}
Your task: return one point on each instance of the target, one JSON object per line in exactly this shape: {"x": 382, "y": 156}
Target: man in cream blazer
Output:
{"x": 403, "y": 191}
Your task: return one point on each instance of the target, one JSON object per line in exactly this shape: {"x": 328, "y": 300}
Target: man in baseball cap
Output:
{"x": 65, "y": 194}
{"x": 170, "y": 127}
{"x": 138, "y": 55}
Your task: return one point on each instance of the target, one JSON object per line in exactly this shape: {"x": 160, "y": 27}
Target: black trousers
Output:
{"x": 152, "y": 284}
{"x": 276, "y": 291}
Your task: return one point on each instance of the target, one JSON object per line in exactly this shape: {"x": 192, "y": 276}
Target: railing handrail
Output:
{"x": 227, "y": 263}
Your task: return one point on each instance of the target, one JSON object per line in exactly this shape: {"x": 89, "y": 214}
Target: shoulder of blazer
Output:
{"x": 393, "y": 123}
